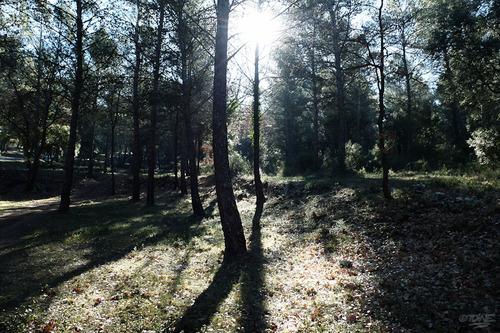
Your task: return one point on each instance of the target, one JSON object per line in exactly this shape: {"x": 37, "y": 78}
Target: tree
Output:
{"x": 186, "y": 49}
{"x": 75, "y": 109}
{"x": 136, "y": 113}
{"x": 234, "y": 239}
{"x": 155, "y": 103}
{"x": 259, "y": 190}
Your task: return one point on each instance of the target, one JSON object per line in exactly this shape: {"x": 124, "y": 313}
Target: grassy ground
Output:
{"x": 325, "y": 255}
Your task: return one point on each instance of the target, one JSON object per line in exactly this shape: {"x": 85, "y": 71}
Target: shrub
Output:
{"x": 354, "y": 155}
{"x": 484, "y": 142}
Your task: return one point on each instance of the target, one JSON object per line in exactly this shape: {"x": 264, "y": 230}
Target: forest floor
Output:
{"x": 324, "y": 255}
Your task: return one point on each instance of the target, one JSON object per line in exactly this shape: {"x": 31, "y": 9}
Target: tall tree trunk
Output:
{"x": 409, "y": 101}
{"x": 190, "y": 147}
{"x": 457, "y": 121}
{"x": 75, "y": 108}
{"x": 176, "y": 151}
{"x": 90, "y": 165}
{"x": 259, "y": 190}
{"x": 234, "y": 238}
{"x": 339, "y": 88}
{"x": 381, "y": 115}
{"x": 184, "y": 165}
{"x": 155, "y": 101}
{"x": 112, "y": 157}
{"x": 106, "y": 154}
{"x": 137, "y": 158}
{"x": 315, "y": 109}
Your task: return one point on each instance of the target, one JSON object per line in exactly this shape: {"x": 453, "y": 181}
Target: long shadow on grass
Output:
{"x": 207, "y": 303}
{"x": 60, "y": 247}
{"x": 228, "y": 274}
{"x": 432, "y": 252}
{"x": 252, "y": 281}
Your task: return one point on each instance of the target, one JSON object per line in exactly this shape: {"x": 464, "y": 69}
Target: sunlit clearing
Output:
{"x": 259, "y": 26}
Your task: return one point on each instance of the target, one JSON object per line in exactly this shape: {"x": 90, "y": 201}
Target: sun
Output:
{"x": 262, "y": 27}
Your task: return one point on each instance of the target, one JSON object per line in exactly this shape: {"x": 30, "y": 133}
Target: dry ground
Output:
{"x": 324, "y": 256}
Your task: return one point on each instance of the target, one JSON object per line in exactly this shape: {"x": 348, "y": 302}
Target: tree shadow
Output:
{"x": 56, "y": 247}
{"x": 206, "y": 304}
{"x": 250, "y": 271}
{"x": 252, "y": 281}
{"x": 430, "y": 252}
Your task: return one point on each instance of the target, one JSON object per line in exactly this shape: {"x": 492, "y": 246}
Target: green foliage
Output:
{"x": 485, "y": 143}
{"x": 355, "y": 157}
{"x": 238, "y": 164}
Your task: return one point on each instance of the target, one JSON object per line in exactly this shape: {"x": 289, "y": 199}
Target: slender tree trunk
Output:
{"x": 75, "y": 108}
{"x": 137, "y": 156}
{"x": 315, "y": 109}
{"x": 176, "y": 150}
{"x": 190, "y": 148}
{"x": 458, "y": 124}
{"x": 259, "y": 190}
{"x": 112, "y": 157}
{"x": 199, "y": 145}
{"x": 409, "y": 102}
{"x": 193, "y": 172}
{"x": 234, "y": 238}
{"x": 106, "y": 154}
{"x": 381, "y": 115}
{"x": 150, "y": 199}
{"x": 184, "y": 165}
{"x": 339, "y": 89}
{"x": 90, "y": 165}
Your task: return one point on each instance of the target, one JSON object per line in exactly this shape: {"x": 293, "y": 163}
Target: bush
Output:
{"x": 354, "y": 155}
{"x": 238, "y": 164}
{"x": 484, "y": 142}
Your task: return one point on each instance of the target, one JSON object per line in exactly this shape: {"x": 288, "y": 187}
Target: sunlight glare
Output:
{"x": 262, "y": 27}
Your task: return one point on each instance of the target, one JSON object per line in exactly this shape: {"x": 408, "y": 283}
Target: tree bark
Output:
{"x": 234, "y": 238}
{"x": 409, "y": 101}
{"x": 112, "y": 157}
{"x": 75, "y": 108}
{"x": 184, "y": 165}
{"x": 339, "y": 89}
{"x": 190, "y": 147}
{"x": 315, "y": 109}
{"x": 150, "y": 199}
{"x": 176, "y": 151}
{"x": 259, "y": 190}
{"x": 137, "y": 156}
{"x": 381, "y": 115}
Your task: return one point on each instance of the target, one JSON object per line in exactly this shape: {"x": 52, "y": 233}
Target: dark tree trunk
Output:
{"x": 199, "y": 145}
{"x": 150, "y": 199}
{"x": 75, "y": 107}
{"x": 381, "y": 115}
{"x": 176, "y": 151}
{"x": 112, "y": 158}
{"x": 315, "y": 109}
{"x": 137, "y": 156}
{"x": 234, "y": 238}
{"x": 90, "y": 165}
{"x": 409, "y": 102}
{"x": 184, "y": 166}
{"x": 259, "y": 190}
{"x": 106, "y": 154}
{"x": 190, "y": 148}
{"x": 458, "y": 124}
{"x": 339, "y": 89}
{"x": 193, "y": 172}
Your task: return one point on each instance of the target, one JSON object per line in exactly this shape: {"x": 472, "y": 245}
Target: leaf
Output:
{"x": 49, "y": 327}
{"x": 351, "y": 319}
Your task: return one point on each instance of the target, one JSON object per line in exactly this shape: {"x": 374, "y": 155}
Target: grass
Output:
{"x": 325, "y": 255}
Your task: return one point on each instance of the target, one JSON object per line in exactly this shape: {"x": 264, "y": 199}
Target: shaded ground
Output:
{"x": 324, "y": 256}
